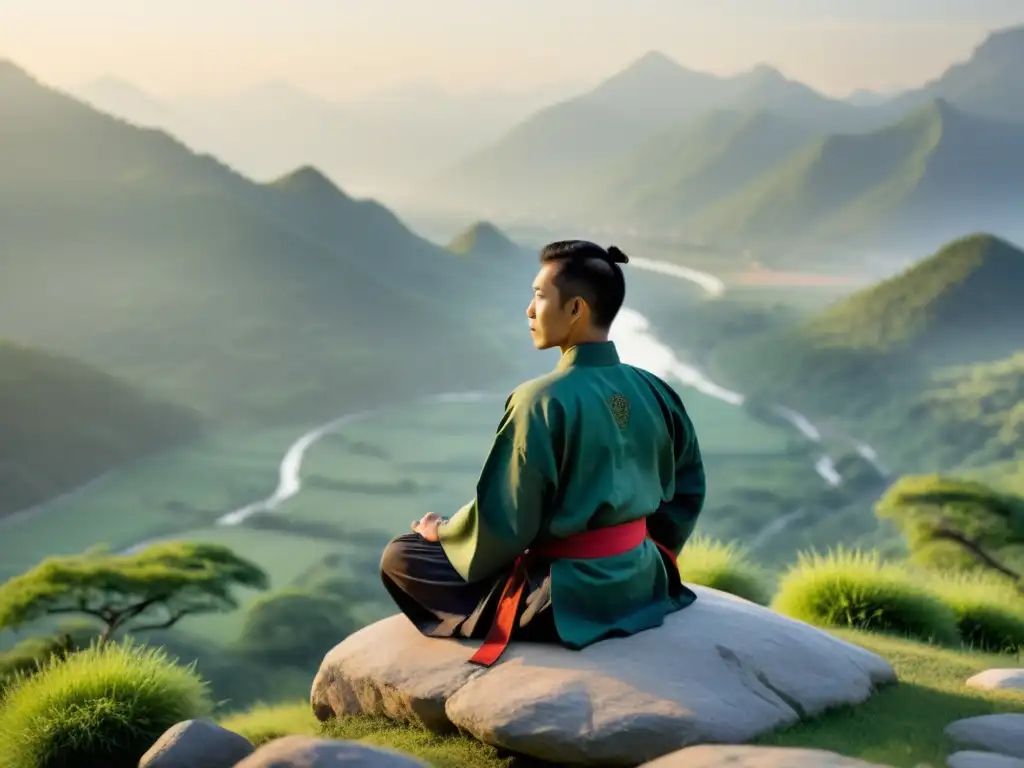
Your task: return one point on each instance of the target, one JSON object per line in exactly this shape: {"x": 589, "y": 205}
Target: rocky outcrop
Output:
{"x": 310, "y": 752}
{"x": 972, "y": 759}
{"x": 716, "y": 756}
{"x": 197, "y": 744}
{"x": 998, "y": 679}
{"x": 1002, "y": 734}
{"x": 723, "y": 670}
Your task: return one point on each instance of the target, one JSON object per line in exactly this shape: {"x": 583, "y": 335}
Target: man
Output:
{"x": 593, "y": 485}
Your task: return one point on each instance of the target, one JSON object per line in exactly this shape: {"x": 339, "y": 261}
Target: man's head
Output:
{"x": 577, "y": 293}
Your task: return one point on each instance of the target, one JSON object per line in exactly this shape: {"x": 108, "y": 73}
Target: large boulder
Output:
{"x": 722, "y": 670}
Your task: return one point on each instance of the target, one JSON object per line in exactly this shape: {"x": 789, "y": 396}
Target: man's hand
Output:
{"x": 427, "y": 527}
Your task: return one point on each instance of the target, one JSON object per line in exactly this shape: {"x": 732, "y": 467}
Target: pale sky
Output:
{"x": 338, "y": 48}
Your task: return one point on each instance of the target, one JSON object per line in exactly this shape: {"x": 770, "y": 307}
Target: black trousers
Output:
{"x": 428, "y": 590}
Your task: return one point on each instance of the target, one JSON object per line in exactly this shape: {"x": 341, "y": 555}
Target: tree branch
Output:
{"x": 173, "y": 619}
{"x": 948, "y": 534}
{"x": 89, "y": 612}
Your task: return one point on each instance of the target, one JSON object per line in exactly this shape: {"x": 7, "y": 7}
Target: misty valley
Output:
{"x": 209, "y": 340}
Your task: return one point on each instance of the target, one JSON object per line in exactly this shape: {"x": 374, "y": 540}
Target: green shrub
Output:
{"x": 104, "y": 706}
{"x": 725, "y": 567}
{"x": 857, "y": 590}
{"x": 265, "y": 723}
{"x": 989, "y": 611}
{"x": 28, "y": 655}
{"x": 294, "y": 627}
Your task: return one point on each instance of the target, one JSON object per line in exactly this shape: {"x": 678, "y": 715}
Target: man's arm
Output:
{"x": 673, "y": 522}
{"x": 518, "y": 477}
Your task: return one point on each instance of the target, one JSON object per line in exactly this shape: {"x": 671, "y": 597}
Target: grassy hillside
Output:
{"x": 65, "y": 423}
{"x": 936, "y": 172}
{"x": 125, "y": 249}
{"x": 685, "y": 169}
{"x": 892, "y": 358}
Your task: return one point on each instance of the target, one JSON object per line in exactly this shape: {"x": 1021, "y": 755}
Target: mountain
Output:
{"x": 544, "y": 162}
{"x": 766, "y": 89}
{"x": 484, "y": 240}
{"x": 874, "y": 358}
{"x": 987, "y": 84}
{"x": 931, "y": 175}
{"x": 381, "y": 141}
{"x": 682, "y": 170}
{"x": 246, "y": 302}
{"x": 121, "y": 98}
{"x": 863, "y": 97}
{"x": 65, "y": 423}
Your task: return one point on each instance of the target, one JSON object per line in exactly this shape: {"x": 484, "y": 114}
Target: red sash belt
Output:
{"x": 587, "y": 545}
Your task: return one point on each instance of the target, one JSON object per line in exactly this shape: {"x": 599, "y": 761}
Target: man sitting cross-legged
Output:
{"x": 591, "y": 488}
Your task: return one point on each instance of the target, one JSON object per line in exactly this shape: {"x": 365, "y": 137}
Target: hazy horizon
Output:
{"x": 341, "y": 50}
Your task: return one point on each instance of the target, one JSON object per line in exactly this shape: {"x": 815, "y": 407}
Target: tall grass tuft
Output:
{"x": 989, "y": 610}
{"x": 726, "y": 567}
{"x": 857, "y": 590}
{"x": 103, "y": 706}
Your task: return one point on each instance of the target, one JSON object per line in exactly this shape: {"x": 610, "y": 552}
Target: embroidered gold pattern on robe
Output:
{"x": 620, "y": 410}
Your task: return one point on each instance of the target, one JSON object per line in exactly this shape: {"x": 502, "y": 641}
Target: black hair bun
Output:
{"x": 615, "y": 256}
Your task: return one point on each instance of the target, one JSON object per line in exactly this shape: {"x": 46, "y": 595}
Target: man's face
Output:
{"x": 550, "y": 322}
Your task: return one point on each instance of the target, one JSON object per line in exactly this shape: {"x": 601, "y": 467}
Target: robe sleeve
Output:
{"x": 512, "y": 493}
{"x": 673, "y": 522}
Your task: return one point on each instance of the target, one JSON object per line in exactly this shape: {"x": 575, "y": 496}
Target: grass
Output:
{"x": 989, "y": 611}
{"x": 104, "y": 706}
{"x": 857, "y": 590}
{"x": 901, "y": 725}
{"x": 726, "y": 567}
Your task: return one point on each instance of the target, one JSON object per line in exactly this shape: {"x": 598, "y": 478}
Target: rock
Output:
{"x": 197, "y": 744}
{"x": 310, "y": 752}
{"x": 969, "y": 759}
{"x": 718, "y": 756}
{"x": 1003, "y": 734}
{"x": 722, "y": 670}
{"x": 993, "y": 679}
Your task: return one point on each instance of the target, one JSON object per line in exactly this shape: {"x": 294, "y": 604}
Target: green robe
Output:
{"x": 594, "y": 443}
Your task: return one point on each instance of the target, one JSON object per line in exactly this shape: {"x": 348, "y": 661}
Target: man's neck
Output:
{"x": 595, "y": 337}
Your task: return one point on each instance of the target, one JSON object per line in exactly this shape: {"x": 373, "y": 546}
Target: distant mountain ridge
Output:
{"x": 246, "y": 302}
{"x": 537, "y": 165}
{"x": 637, "y": 136}
{"x": 987, "y": 83}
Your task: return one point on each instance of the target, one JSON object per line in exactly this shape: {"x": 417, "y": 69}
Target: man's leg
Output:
{"x": 427, "y": 589}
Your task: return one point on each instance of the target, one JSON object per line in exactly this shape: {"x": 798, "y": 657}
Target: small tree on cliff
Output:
{"x": 956, "y": 523}
{"x": 152, "y": 589}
